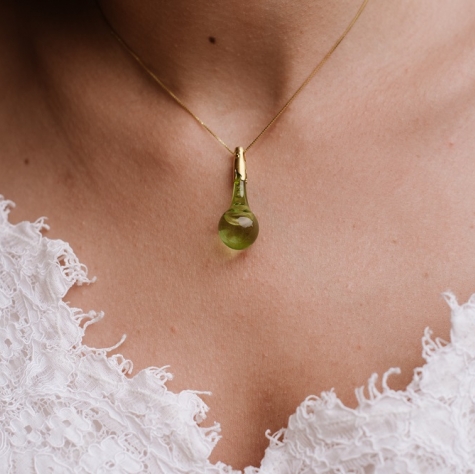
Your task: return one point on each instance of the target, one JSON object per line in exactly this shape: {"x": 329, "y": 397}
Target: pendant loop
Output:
{"x": 240, "y": 164}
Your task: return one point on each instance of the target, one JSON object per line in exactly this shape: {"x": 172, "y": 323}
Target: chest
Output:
{"x": 343, "y": 290}
{"x": 359, "y": 236}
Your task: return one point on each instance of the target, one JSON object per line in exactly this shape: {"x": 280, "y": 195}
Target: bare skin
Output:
{"x": 364, "y": 189}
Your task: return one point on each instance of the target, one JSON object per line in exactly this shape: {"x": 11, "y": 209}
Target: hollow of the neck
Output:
{"x": 260, "y": 51}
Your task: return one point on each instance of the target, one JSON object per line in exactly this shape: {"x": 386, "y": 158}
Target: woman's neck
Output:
{"x": 211, "y": 49}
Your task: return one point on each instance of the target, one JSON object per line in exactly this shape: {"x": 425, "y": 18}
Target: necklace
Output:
{"x": 238, "y": 227}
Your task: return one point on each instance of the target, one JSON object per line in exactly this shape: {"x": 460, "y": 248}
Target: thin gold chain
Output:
{"x": 279, "y": 113}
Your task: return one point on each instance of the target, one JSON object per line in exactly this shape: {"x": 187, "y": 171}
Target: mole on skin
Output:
{"x": 212, "y": 39}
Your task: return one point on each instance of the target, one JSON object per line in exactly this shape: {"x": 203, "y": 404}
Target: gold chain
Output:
{"x": 279, "y": 113}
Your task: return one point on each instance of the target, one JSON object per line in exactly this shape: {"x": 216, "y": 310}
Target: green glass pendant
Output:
{"x": 238, "y": 227}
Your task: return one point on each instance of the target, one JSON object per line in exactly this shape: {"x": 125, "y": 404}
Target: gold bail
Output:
{"x": 240, "y": 164}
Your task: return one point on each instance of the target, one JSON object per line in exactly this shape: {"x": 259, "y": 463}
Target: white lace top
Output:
{"x": 69, "y": 408}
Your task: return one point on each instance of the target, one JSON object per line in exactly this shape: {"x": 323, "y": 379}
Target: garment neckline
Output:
{"x": 331, "y": 410}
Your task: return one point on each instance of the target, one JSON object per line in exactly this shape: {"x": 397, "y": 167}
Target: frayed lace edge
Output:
{"x": 5, "y": 207}
{"x": 76, "y": 273}
{"x": 73, "y": 270}
{"x": 328, "y": 399}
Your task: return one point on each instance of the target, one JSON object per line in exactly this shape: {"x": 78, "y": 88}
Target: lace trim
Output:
{"x": 67, "y": 404}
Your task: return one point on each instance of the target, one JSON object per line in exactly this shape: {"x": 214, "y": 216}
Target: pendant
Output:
{"x": 238, "y": 227}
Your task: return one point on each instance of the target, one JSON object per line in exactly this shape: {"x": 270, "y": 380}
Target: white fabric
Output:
{"x": 69, "y": 408}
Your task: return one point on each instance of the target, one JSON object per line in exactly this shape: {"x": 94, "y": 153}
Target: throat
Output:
{"x": 259, "y": 53}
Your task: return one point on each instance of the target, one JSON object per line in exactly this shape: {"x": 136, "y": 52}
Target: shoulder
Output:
{"x": 30, "y": 33}
{"x": 17, "y": 57}
{"x": 446, "y": 51}
{"x": 449, "y": 89}
{"x": 15, "y": 50}
{"x": 35, "y": 39}
{"x": 437, "y": 67}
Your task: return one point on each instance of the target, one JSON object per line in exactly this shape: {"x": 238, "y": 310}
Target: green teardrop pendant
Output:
{"x": 238, "y": 227}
